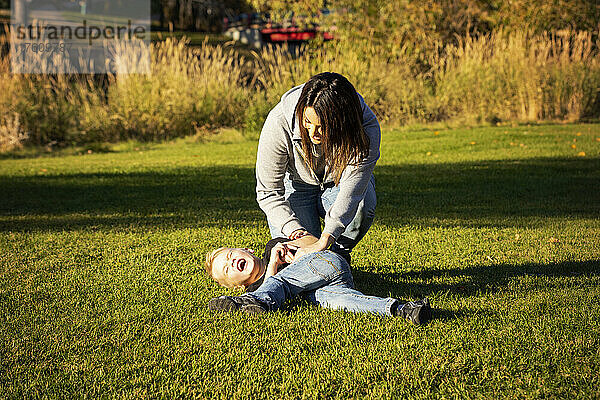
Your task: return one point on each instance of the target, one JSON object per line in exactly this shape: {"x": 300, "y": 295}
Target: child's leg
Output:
{"x": 345, "y": 297}
{"x": 310, "y": 272}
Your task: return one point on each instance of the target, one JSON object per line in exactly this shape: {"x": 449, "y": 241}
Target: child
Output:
{"x": 322, "y": 277}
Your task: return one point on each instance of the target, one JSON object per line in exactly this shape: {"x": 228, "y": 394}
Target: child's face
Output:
{"x": 236, "y": 267}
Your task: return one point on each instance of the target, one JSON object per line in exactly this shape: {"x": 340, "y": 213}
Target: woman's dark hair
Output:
{"x": 337, "y": 105}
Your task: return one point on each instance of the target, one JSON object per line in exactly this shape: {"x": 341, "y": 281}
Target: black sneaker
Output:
{"x": 417, "y": 312}
{"x": 246, "y": 304}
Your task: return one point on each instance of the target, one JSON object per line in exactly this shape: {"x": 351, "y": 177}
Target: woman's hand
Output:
{"x": 323, "y": 243}
{"x": 304, "y": 241}
{"x": 298, "y": 233}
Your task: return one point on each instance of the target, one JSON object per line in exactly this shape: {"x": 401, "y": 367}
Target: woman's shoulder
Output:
{"x": 289, "y": 100}
{"x": 292, "y": 96}
{"x": 283, "y": 114}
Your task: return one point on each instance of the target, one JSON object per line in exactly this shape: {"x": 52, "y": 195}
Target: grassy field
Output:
{"x": 102, "y": 290}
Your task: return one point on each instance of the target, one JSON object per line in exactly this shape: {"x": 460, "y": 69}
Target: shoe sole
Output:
{"x": 223, "y": 304}
{"x": 424, "y": 314}
{"x": 253, "y": 309}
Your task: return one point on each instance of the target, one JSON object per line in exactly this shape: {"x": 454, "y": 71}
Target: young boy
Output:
{"x": 323, "y": 278}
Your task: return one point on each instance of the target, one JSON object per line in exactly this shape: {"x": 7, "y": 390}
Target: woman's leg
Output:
{"x": 303, "y": 199}
{"x": 358, "y": 227}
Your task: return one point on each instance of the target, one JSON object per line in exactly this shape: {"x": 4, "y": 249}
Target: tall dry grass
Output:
{"x": 391, "y": 88}
{"x": 41, "y": 109}
{"x": 518, "y": 76}
{"x": 187, "y": 89}
{"x": 11, "y": 135}
{"x": 501, "y": 77}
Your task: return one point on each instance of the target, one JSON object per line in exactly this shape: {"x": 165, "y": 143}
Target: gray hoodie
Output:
{"x": 280, "y": 154}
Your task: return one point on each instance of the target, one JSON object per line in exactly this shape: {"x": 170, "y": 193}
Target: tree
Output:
{"x": 548, "y": 15}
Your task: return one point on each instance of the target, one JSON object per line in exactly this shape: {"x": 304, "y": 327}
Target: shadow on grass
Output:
{"x": 438, "y": 314}
{"x": 487, "y": 193}
{"x": 468, "y": 281}
{"x": 184, "y": 197}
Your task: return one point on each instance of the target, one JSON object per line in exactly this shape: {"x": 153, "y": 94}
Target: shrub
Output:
{"x": 186, "y": 90}
{"x": 11, "y": 134}
{"x": 518, "y": 76}
{"x": 45, "y": 106}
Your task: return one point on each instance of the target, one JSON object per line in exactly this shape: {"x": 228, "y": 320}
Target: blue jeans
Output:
{"x": 323, "y": 278}
{"x": 310, "y": 203}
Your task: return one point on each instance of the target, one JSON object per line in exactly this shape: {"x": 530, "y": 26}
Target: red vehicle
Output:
{"x": 291, "y": 34}
{"x": 265, "y": 32}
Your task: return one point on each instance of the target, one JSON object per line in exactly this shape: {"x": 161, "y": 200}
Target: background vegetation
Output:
{"x": 459, "y": 62}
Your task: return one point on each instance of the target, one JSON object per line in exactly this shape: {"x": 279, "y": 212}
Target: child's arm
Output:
{"x": 280, "y": 254}
{"x": 284, "y": 253}
{"x": 271, "y": 270}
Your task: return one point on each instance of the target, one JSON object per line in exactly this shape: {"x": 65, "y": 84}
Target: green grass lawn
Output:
{"x": 102, "y": 290}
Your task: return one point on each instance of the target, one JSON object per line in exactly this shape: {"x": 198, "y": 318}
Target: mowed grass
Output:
{"x": 103, "y": 293}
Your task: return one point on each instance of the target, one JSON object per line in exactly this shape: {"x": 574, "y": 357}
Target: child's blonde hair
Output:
{"x": 210, "y": 259}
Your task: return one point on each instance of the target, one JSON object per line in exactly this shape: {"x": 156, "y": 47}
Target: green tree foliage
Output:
{"x": 198, "y": 15}
{"x": 281, "y": 9}
{"x": 547, "y": 15}
{"x": 409, "y": 27}
{"x": 419, "y": 27}
{"x": 421, "y": 22}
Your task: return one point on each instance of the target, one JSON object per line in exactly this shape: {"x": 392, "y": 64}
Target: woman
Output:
{"x": 316, "y": 155}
